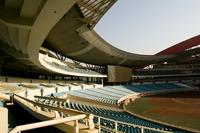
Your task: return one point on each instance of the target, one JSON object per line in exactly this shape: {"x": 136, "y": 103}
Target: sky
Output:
{"x": 149, "y": 26}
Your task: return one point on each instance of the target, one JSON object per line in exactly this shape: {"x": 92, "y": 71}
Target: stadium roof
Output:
{"x": 182, "y": 46}
{"x": 65, "y": 27}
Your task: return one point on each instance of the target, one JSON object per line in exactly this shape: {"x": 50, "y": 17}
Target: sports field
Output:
{"x": 181, "y": 109}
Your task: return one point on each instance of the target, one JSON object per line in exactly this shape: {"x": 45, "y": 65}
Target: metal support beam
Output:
{"x": 142, "y": 130}
{"x": 116, "y": 127}
{"x": 60, "y": 57}
{"x": 99, "y": 124}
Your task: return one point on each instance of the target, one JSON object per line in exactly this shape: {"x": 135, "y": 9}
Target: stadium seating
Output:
{"x": 70, "y": 69}
{"x": 153, "y": 87}
{"x": 94, "y": 96}
{"x": 125, "y": 122}
{"x": 111, "y": 94}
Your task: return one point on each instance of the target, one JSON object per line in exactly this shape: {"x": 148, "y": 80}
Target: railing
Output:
{"x": 115, "y": 129}
{"x": 58, "y": 111}
{"x": 39, "y": 106}
{"x": 116, "y": 123}
{"x": 26, "y": 127}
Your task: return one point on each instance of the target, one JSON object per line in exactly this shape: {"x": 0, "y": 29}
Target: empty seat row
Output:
{"x": 153, "y": 87}
{"x": 96, "y": 97}
{"x": 111, "y": 94}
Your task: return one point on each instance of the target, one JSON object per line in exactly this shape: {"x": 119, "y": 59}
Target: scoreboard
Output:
{"x": 119, "y": 73}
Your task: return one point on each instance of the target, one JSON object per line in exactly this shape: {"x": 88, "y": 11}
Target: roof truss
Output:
{"x": 93, "y": 10}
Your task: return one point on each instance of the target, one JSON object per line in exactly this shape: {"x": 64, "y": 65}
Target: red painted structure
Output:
{"x": 182, "y": 46}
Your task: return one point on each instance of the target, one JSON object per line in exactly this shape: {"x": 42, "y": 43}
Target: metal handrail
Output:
{"x": 57, "y": 110}
{"x": 25, "y": 127}
{"x": 132, "y": 125}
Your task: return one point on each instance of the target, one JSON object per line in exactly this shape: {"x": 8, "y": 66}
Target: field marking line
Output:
{"x": 178, "y": 101}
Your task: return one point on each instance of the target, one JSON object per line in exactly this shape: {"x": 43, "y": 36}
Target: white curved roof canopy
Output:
{"x": 65, "y": 27}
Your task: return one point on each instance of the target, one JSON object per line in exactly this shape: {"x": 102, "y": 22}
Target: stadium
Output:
{"x": 57, "y": 75}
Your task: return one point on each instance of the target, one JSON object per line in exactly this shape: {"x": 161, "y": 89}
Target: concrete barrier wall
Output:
{"x": 3, "y": 120}
{"x": 30, "y": 93}
{"x": 19, "y": 80}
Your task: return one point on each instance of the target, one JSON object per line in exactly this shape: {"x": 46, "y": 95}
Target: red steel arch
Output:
{"x": 182, "y": 46}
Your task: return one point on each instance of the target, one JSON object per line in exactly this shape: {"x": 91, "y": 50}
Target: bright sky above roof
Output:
{"x": 149, "y": 26}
